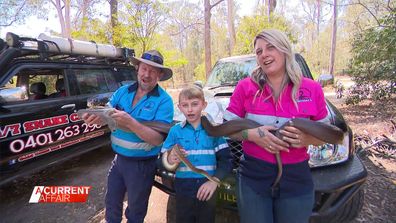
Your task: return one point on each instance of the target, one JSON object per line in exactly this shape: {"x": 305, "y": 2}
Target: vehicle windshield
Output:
{"x": 228, "y": 73}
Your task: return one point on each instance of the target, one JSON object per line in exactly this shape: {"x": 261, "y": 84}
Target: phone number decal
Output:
{"x": 59, "y": 146}
{"x": 48, "y": 138}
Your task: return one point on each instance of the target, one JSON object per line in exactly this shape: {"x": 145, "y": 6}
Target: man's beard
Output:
{"x": 145, "y": 86}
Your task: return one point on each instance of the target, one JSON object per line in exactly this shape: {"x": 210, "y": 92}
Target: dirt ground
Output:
{"x": 370, "y": 121}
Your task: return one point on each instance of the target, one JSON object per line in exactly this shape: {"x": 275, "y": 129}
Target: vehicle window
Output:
{"x": 32, "y": 85}
{"x": 230, "y": 72}
{"x": 94, "y": 81}
{"x": 41, "y": 86}
{"x": 125, "y": 75}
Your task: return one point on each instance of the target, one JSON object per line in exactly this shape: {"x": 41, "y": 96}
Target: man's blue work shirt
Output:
{"x": 156, "y": 105}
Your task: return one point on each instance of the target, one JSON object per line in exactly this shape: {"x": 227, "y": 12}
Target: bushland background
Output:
{"x": 355, "y": 37}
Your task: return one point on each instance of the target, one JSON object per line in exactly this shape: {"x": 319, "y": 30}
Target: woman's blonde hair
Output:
{"x": 192, "y": 92}
{"x": 293, "y": 71}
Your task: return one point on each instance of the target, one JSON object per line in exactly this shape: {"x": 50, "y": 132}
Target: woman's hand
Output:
{"x": 206, "y": 191}
{"x": 263, "y": 138}
{"x": 297, "y": 138}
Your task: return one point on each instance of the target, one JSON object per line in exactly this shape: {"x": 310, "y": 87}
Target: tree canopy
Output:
{"x": 365, "y": 31}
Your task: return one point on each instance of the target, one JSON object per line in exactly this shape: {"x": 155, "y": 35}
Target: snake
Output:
{"x": 183, "y": 159}
{"x": 322, "y": 131}
{"x": 192, "y": 167}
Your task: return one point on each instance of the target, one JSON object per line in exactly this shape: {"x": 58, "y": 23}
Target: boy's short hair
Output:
{"x": 192, "y": 92}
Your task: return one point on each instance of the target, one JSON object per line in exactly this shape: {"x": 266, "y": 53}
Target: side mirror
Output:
{"x": 2, "y": 44}
{"x": 199, "y": 84}
{"x": 13, "y": 94}
{"x": 325, "y": 79}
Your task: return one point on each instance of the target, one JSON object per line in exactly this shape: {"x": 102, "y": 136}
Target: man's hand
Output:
{"x": 206, "y": 191}
{"x": 123, "y": 119}
{"x": 92, "y": 119}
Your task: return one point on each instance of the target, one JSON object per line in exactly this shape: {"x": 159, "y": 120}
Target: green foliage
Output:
{"x": 374, "y": 58}
{"x": 95, "y": 30}
{"x": 199, "y": 72}
{"x": 318, "y": 56}
{"x": 250, "y": 26}
{"x": 142, "y": 20}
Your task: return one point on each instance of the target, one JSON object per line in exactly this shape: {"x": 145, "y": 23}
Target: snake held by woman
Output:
{"x": 322, "y": 131}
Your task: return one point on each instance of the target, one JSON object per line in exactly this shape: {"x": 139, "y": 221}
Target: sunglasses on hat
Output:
{"x": 153, "y": 58}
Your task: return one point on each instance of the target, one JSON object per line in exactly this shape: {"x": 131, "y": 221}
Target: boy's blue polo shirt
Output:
{"x": 205, "y": 152}
{"x": 201, "y": 148}
{"x": 156, "y": 105}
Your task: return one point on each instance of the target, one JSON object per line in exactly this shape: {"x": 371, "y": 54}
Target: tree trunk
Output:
{"x": 114, "y": 20}
{"x": 58, "y": 8}
{"x": 333, "y": 39}
{"x": 63, "y": 20}
{"x": 84, "y": 12}
{"x": 208, "y": 51}
{"x": 231, "y": 26}
{"x": 318, "y": 19}
{"x": 271, "y": 4}
{"x": 67, "y": 19}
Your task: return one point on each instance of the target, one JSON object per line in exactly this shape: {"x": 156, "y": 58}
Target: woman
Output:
{"x": 274, "y": 93}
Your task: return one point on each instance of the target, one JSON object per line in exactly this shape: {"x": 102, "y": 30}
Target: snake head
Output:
{"x": 262, "y": 82}
{"x": 99, "y": 100}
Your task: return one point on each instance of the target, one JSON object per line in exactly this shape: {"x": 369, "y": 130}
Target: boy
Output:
{"x": 194, "y": 193}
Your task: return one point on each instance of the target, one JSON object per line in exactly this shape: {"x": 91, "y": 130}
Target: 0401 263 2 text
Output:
{"x": 43, "y": 139}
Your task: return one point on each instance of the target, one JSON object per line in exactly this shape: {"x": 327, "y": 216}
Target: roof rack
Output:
{"x": 50, "y": 46}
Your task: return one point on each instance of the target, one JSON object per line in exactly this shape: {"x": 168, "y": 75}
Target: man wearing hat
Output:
{"x": 136, "y": 145}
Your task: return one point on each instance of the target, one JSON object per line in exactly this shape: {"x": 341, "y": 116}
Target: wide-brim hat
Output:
{"x": 155, "y": 59}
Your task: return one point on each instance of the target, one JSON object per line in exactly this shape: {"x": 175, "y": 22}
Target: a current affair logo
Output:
{"x": 59, "y": 194}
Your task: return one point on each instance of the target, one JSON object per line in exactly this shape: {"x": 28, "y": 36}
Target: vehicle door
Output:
{"x": 33, "y": 120}
{"x": 38, "y": 115}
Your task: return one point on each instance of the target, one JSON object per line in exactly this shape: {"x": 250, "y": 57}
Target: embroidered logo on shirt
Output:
{"x": 304, "y": 95}
{"x": 148, "y": 106}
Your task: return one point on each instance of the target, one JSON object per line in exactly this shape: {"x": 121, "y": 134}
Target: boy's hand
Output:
{"x": 206, "y": 191}
{"x": 174, "y": 157}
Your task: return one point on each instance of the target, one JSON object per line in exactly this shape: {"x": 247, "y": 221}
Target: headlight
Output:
{"x": 329, "y": 154}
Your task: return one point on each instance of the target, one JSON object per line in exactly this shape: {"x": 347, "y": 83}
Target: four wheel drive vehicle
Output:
{"x": 338, "y": 173}
{"x": 43, "y": 82}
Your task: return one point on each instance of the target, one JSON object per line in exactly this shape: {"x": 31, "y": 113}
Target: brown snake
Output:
{"x": 324, "y": 132}
{"x": 192, "y": 167}
{"x": 164, "y": 128}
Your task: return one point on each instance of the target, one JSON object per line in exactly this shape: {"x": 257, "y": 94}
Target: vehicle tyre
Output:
{"x": 348, "y": 212}
{"x": 171, "y": 210}
{"x": 351, "y": 209}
